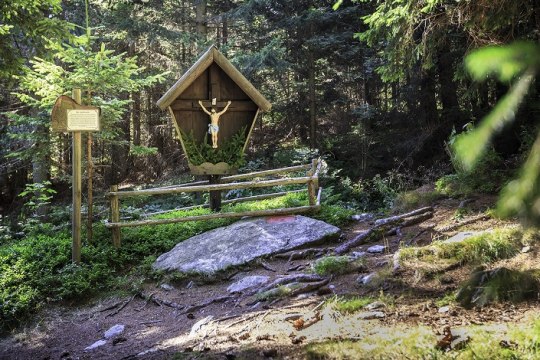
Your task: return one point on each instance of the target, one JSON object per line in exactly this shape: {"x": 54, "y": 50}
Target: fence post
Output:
{"x": 115, "y": 216}
{"x": 313, "y": 184}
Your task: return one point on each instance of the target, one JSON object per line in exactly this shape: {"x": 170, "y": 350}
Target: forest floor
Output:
{"x": 158, "y": 325}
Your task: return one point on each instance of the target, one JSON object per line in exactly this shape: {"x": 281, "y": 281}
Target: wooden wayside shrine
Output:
{"x": 213, "y": 81}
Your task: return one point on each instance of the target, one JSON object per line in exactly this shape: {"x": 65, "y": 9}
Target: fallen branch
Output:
{"x": 121, "y": 307}
{"x": 360, "y": 239}
{"x": 393, "y": 219}
{"x": 160, "y": 302}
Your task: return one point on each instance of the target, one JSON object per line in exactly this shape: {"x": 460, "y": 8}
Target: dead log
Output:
{"x": 360, "y": 239}
{"x": 393, "y": 219}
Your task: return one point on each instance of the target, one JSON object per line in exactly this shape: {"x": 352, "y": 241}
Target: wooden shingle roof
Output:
{"x": 213, "y": 55}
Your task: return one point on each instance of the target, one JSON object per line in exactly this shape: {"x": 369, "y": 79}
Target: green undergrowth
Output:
{"x": 410, "y": 200}
{"x": 498, "y": 285}
{"x": 336, "y": 265}
{"x": 37, "y": 269}
{"x": 485, "y": 247}
{"x": 520, "y": 341}
{"x": 349, "y": 305}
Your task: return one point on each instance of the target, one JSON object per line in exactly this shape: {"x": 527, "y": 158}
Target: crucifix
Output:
{"x": 213, "y": 127}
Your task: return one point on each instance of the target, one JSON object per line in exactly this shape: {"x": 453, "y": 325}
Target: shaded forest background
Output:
{"x": 376, "y": 87}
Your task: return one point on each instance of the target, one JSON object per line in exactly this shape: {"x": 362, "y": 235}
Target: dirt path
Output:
{"x": 157, "y": 325}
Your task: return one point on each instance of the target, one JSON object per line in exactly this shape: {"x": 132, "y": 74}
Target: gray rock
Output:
{"x": 444, "y": 309}
{"x": 376, "y": 249}
{"x": 114, "y": 331}
{"x": 459, "y": 237}
{"x": 395, "y": 262}
{"x": 366, "y": 279}
{"x": 247, "y": 282}
{"x": 95, "y": 345}
{"x": 357, "y": 255}
{"x": 166, "y": 287}
{"x": 369, "y": 315}
{"x": 375, "y": 305}
{"x": 526, "y": 249}
{"x": 243, "y": 242}
{"x": 199, "y": 325}
{"x": 363, "y": 217}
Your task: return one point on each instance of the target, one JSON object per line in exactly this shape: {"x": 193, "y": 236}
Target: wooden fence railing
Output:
{"x": 311, "y": 179}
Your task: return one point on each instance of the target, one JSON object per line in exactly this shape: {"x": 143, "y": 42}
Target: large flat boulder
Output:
{"x": 243, "y": 242}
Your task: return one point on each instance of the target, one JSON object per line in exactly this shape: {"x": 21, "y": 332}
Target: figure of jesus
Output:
{"x": 213, "y": 127}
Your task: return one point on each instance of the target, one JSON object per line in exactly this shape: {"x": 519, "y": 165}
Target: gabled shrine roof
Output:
{"x": 213, "y": 55}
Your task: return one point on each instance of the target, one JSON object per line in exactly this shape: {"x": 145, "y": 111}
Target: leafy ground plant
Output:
{"x": 335, "y": 265}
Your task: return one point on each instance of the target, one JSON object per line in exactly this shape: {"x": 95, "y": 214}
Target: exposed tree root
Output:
{"x": 121, "y": 307}
{"x": 381, "y": 228}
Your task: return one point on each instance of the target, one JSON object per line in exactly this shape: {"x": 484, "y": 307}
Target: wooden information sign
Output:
{"x": 68, "y": 115}
{"x": 83, "y": 119}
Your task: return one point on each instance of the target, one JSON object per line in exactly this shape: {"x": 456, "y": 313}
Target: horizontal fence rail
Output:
{"x": 311, "y": 179}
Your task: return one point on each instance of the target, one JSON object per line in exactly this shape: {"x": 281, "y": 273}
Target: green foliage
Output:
{"x": 520, "y": 61}
{"x": 488, "y": 286}
{"x": 137, "y": 150}
{"x": 351, "y": 305}
{"x": 335, "y": 265}
{"x": 410, "y": 200}
{"x": 231, "y": 152}
{"x": 37, "y": 194}
{"x": 487, "y": 176}
{"x": 485, "y": 247}
{"x": 26, "y": 26}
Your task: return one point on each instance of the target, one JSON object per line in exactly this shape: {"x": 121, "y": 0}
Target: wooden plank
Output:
{"x": 214, "y": 82}
{"x": 241, "y": 81}
{"x": 271, "y": 212}
{"x": 76, "y": 189}
{"x": 250, "y": 131}
{"x": 187, "y": 79}
{"x": 175, "y": 123}
{"x": 254, "y": 174}
{"x": 230, "y": 186}
{"x": 232, "y": 201}
{"x": 266, "y": 172}
{"x": 192, "y": 105}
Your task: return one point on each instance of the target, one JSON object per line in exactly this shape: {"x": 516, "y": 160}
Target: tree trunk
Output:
{"x": 200, "y": 19}
{"x": 136, "y": 118}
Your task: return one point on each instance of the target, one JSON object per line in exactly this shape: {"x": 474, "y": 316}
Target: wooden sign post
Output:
{"x": 77, "y": 165}
{"x": 68, "y": 115}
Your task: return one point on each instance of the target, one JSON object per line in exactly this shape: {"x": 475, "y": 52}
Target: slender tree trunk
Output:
{"x": 136, "y": 118}
{"x": 200, "y": 19}
{"x": 428, "y": 100}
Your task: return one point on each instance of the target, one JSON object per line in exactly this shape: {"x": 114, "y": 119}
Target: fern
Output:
{"x": 231, "y": 152}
